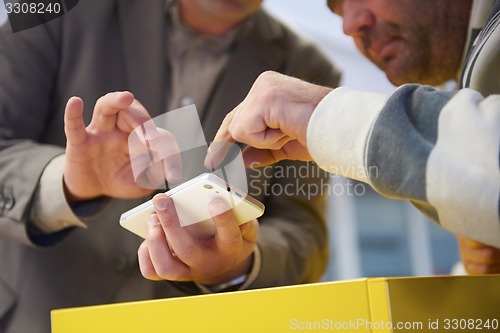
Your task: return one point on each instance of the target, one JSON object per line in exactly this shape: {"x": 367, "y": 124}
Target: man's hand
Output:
{"x": 479, "y": 258}
{"x": 171, "y": 252}
{"x": 97, "y": 156}
{"x": 272, "y": 120}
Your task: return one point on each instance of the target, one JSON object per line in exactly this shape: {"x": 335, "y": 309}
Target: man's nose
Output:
{"x": 356, "y": 17}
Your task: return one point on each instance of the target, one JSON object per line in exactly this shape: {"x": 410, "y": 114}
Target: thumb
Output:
{"x": 74, "y": 127}
{"x": 255, "y": 158}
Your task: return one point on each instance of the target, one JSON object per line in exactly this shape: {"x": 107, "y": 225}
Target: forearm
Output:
{"x": 47, "y": 212}
{"x": 22, "y": 165}
{"x": 436, "y": 149}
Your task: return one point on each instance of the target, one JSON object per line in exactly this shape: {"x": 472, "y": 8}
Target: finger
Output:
{"x": 147, "y": 172}
{"x": 485, "y": 256}
{"x": 250, "y": 231}
{"x": 165, "y": 262}
{"x": 156, "y": 159}
{"x": 254, "y": 157}
{"x": 219, "y": 147}
{"x": 167, "y": 152}
{"x": 293, "y": 150}
{"x": 107, "y": 107}
{"x": 216, "y": 154}
{"x": 145, "y": 264}
{"x": 74, "y": 126}
{"x": 478, "y": 269}
{"x": 184, "y": 245}
{"x": 228, "y": 235}
{"x": 478, "y": 253}
{"x": 254, "y": 132}
{"x": 134, "y": 116}
{"x": 471, "y": 243}
{"x": 223, "y": 134}
{"x": 268, "y": 139}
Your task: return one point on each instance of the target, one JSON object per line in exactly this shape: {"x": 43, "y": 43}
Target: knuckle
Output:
{"x": 228, "y": 117}
{"x": 237, "y": 132}
{"x": 105, "y": 98}
{"x": 168, "y": 220}
{"x": 190, "y": 256}
{"x": 266, "y": 76}
{"x": 165, "y": 272}
{"x": 231, "y": 242}
{"x": 475, "y": 269}
{"x": 137, "y": 104}
{"x": 481, "y": 269}
{"x": 251, "y": 226}
{"x": 148, "y": 273}
{"x": 491, "y": 254}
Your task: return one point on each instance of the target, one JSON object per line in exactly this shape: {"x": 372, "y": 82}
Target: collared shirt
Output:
{"x": 196, "y": 60}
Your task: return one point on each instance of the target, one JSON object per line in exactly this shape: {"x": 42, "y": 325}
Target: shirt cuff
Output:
{"x": 243, "y": 281}
{"x": 51, "y": 212}
{"x": 339, "y": 129}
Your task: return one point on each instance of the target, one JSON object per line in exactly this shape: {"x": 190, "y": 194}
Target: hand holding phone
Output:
{"x": 191, "y": 200}
{"x": 172, "y": 252}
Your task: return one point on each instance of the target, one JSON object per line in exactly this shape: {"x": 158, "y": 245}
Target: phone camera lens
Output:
{"x": 208, "y": 186}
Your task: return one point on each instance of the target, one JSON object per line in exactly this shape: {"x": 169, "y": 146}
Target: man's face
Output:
{"x": 410, "y": 40}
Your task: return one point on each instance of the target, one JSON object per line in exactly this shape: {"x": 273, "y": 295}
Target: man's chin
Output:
{"x": 398, "y": 74}
{"x": 397, "y": 81}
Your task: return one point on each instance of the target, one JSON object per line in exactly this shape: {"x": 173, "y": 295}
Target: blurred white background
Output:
{"x": 3, "y": 14}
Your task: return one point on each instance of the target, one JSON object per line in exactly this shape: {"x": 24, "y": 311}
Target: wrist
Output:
{"x": 72, "y": 196}
{"x": 231, "y": 285}
{"x": 306, "y": 113}
{"x": 232, "y": 281}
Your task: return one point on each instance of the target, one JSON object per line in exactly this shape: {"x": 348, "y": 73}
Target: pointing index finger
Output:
{"x": 223, "y": 134}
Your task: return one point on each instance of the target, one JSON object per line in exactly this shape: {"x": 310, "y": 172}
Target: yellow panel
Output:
{"x": 445, "y": 304}
{"x": 425, "y": 304}
{"x": 313, "y": 307}
{"x": 378, "y": 297}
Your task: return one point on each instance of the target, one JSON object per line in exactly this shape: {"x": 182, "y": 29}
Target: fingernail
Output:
{"x": 208, "y": 163}
{"x": 173, "y": 175}
{"x": 123, "y": 93}
{"x": 153, "y": 220}
{"x": 161, "y": 203}
{"x": 218, "y": 207}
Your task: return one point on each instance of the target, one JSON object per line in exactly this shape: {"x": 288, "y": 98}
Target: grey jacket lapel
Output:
{"x": 143, "y": 36}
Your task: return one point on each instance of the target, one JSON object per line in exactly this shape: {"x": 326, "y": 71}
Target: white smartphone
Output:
{"x": 191, "y": 200}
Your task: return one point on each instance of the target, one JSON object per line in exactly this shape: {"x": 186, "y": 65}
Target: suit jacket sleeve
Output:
{"x": 28, "y": 63}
